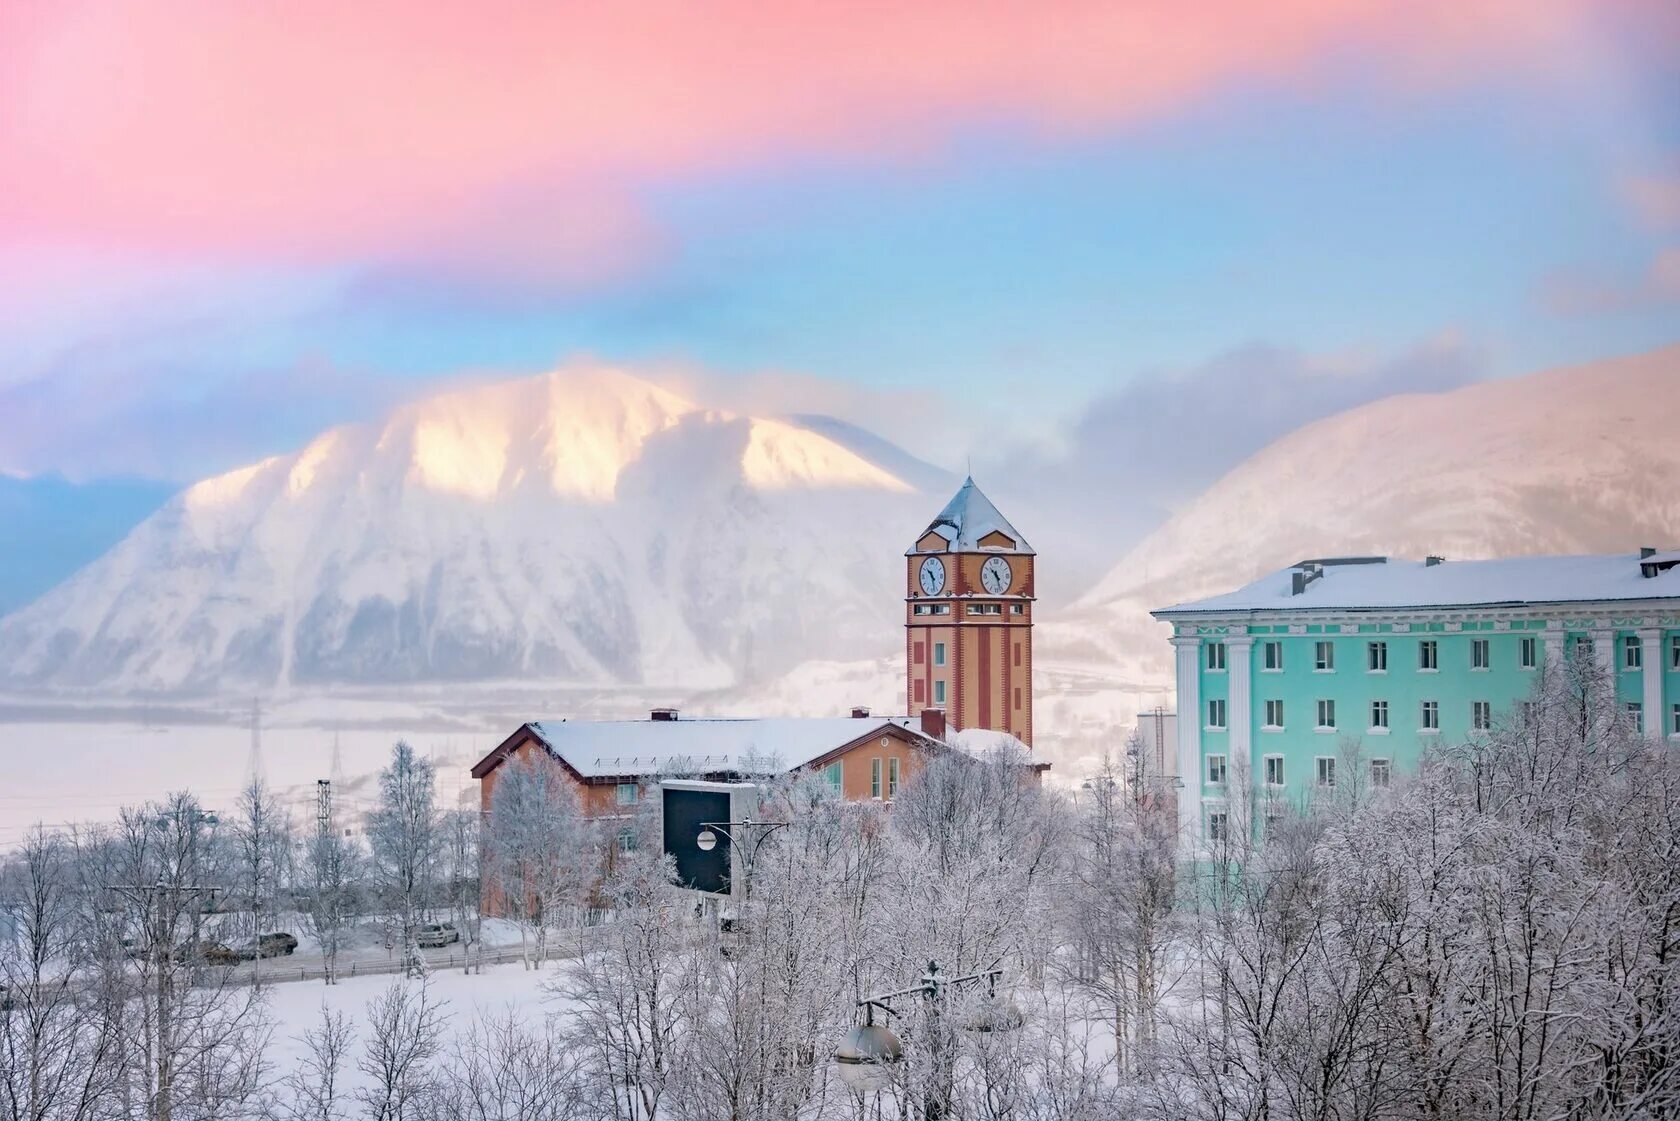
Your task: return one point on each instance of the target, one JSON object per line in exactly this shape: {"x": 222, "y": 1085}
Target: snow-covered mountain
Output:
{"x": 1577, "y": 460}
{"x": 580, "y": 527}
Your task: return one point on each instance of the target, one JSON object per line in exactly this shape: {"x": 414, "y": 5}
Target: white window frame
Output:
{"x": 1266, "y": 762}
{"x": 628, "y": 794}
{"x": 1383, "y": 768}
{"x": 939, "y": 653}
{"x": 1270, "y": 725}
{"x": 1322, "y": 711}
{"x": 1380, "y": 727}
{"x": 1481, "y": 716}
{"x": 1216, "y": 657}
{"x": 1528, "y": 652}
{"x": 835, "y": 776}
{"x": 1219, "y": 826}
{"x": 1481, "y": 655}
{"x": 1271, "y": 656}
{"x": 1376, "y": 657}
{"x": 1674, "y": 652}
{"x": 1216, "y": 770}
{"x": 1674, "y": 719}
{"x": 1429, "y": 656}
{"x": 892, "y": 777}
{"x": 1324, "y": 656}
{"x": 1633, "y": 653}
{"x": 875, "y": 778}
{"x": 1635, "y": 711}
{"x": 1216, "y": 714}
{"x": 1583, "y": 646}
{"x": 1429, "y": 717}
{"x": 939, "y": 691}
{"x": 1324, "y": 766}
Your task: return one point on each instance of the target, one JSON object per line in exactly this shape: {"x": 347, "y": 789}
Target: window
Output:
{"x": 892, "y": 778}
{"x": 1379, "y": 715}
{"x": 1479, "y": 653}
{"x": 1376, "y": 657}
{"x": 1326, "y": 714}
{"x": 627, "y": 840}
{"x": 628, "y": 793}
{"x": 1216, "y": 769}
{"x": 875, "y": 778}
{"x": 1428, "y": 655}
{"x": 1674, "y": 721}
{"x": 1674, "y": 652}
{"x": 985, "y": 609}
{"x": 931, "y": 609}
{"x": 1431, "y": 716}
{"x": 1218, "y": 826}
{"x": 1379, "y": 772}
{"x": 1216, "y": 713}
{"x": 1272, "y": 655}
{"x": 1583, "y": 647}
{"x": 939, "y": 692}
{"x": 1527, "y": 711}
{"x": 834, "y": 774}
{"x": 1635, "y": 716}
{"x": 1274, "y": 714}
{"x": 1216, "y": 656}
{"x": 1481, "y": 715}
{"x": 939, "y": 653}
{"x": 1633, "y": 654}
{"x": 1017, "y": 609}
{"x": 1274, "y": 770}
{"x": 1326, "y": 771}
{"x": 1324, "y": 657}
{"x": 1528, "y": 653}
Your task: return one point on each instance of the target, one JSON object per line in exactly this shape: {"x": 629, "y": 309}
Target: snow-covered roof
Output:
{"x": 1392, "y": 584}
{"x": 599, "y": 748}
{"x": 968, "y": 518}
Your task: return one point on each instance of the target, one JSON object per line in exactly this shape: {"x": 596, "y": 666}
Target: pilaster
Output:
{"x": 1651, "y": 669}
{"x": 1240, "y": 715}
{"x": 1188, "y": 667}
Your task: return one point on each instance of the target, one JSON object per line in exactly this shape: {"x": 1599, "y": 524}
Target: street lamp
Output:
{"x": 868, "y": 1055}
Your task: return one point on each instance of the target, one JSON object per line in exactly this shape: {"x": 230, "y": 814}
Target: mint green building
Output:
{"x": 1273, "y": 677}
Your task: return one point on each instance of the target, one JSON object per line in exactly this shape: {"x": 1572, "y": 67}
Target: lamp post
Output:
{"x": 744, "y": 836}
{"x": 868, "y": 1055}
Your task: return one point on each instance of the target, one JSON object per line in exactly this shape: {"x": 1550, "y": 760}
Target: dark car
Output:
{"x": 277, "y": 944}
{"x": 211, "y": 953}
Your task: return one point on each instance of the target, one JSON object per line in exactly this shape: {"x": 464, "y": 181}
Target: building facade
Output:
{"x": 1396, "y": 656}
{"x": 968, "y": 613}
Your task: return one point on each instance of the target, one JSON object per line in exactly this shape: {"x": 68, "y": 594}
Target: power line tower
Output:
{"x": 323, "y": 808}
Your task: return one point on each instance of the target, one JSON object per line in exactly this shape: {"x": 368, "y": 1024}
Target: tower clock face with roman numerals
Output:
{"x": 995, "y": 575}
{"x": 933, "y": 576}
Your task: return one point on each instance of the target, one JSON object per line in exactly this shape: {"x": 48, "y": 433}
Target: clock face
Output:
{"x": 933, "y": 575}
{"x": 995, "y": 575}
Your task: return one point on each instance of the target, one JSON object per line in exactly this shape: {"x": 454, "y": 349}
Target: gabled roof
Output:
{"x": 606, "y": 748}
{"x": 1400, "y": 584}
{"x": 967, "y": 520}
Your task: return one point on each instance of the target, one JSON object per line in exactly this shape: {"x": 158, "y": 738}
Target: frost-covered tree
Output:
{"x": 543, "y": 852}
{"x": 405, "y": 843}
{"x": 333, "y": 867}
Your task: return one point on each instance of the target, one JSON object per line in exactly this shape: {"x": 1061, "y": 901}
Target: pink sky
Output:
{"x": 507, "y": 137}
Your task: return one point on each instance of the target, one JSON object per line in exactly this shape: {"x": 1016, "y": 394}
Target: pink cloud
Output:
{"x": 512, "y": 135}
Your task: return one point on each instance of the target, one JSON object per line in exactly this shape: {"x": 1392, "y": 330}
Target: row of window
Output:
{"x": 939, "y": 653}
{"x": 1379, "y": 770}
{"x": 968, "y": 609}
{"x": 1429, "y": 654}
{"x": 1636, "y": 717}
{"x": 1481, "y": 715}
{"x": 835, "y": 775}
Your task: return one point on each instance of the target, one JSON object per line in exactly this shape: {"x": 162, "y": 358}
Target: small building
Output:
{"x": 1275, "y": 679}
{"x": 612, "y": 762}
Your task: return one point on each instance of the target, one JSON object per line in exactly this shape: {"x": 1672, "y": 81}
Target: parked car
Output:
{"x": 434, "y": 934}
{"x": 212, "y": 953}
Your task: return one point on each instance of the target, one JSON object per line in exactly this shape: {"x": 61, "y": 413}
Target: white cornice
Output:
{"x": 1614, "y": 614}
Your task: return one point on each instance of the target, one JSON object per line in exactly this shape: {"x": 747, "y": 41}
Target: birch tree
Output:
{"x": 404, "y": 840}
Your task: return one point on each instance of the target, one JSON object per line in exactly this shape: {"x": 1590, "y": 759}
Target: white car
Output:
{"x": 434, "y": 934}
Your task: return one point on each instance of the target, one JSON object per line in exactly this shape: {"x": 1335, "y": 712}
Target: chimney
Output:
{"x": 1647, "y": 551}
{"x": 1305, "y": 573}
{"x": 860, "y": 712}
{"x": 662, "y": 715}
{"x": 1432, "y": 561}
{"x": 933, "y": 723}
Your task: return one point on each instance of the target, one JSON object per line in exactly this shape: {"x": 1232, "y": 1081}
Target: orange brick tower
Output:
{"x": 968, "y": 618}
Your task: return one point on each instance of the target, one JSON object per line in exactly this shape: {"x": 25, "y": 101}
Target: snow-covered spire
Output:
{"x": 970, "y": 523}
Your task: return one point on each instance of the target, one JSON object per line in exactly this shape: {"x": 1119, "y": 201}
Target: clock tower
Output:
{"x": 968, "y": 603}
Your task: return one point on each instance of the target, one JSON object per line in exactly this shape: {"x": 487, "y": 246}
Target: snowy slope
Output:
{"x": 1577, "y": 460}
{"x": 581, "y": 527}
